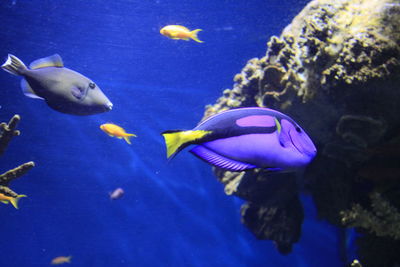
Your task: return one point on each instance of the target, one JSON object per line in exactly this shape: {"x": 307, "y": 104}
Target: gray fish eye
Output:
{"x": 92, "y": 85}
{"x": 298, "y": 129}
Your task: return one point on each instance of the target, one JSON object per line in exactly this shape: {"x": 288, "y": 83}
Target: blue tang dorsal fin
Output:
{"x": 51, "y": 61}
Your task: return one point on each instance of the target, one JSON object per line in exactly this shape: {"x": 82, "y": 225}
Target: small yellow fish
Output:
{"x": 7, "y": 199}
{"x": 178, "y": 32}
{"x": 61, "y": 260}
{"x": 116, "y": 131}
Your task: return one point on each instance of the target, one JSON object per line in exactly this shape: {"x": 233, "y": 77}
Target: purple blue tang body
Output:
{"x": 246, "y": 138}
{"x": 64, "y": 90}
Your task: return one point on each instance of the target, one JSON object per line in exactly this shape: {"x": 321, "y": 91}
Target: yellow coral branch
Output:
{"x": 7, "y": 191}
{"x": 17, "y": 172}
{"x": 7, "y": 132}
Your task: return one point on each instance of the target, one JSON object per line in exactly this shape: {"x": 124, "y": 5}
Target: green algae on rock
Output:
{"x": 383, "y": 219}
{"x": 335, "y": 69}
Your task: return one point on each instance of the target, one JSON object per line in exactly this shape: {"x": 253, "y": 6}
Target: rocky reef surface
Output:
{"x": 7, "y": 133}
{"x": 335, "y": 70}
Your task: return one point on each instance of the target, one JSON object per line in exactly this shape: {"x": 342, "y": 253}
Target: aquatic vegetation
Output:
{"x": 335, "y": 69}
{"x": 382, "y": 219}
{"x": 7, "y": 132}
{"x": 356, "y": 263}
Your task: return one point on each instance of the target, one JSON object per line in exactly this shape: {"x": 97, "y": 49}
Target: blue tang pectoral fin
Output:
{"x": 176, "y": 140}
{"x": 220, "y": 161}
{"x": 283, "y": 137}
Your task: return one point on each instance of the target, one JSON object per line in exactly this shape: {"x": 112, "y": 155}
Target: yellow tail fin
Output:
{"x": 178, "y": 140}
{"x": 128, "y": 136}
{"x": 15, "y": 200}
{"x": 193, "y": 35}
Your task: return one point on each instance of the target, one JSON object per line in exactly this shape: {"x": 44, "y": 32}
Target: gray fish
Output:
{"x": 63, "y": 89}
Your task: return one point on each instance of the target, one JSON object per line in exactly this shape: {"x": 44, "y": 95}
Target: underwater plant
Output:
{"x": 381, "y": 219}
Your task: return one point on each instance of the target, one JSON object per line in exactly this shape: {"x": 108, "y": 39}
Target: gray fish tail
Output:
{"x": 13, "y": 65}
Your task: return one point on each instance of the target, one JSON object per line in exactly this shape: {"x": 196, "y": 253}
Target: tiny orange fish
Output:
{"x": 178, "y": 32}
{"x": 61, "y": 260}
{"x": 7, "y": 199}
{"x": 116, "y": 131}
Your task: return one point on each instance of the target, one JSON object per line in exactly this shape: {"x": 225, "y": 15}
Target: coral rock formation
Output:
{"x": 335, "y": 69}
{"x": 7, "y": 132}
{"x": 383, "y": 220}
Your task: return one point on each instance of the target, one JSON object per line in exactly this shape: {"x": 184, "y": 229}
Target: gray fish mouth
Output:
{"x": 109, "y": 106}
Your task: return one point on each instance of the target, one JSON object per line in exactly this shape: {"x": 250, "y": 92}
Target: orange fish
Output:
{"x": 7, "y": 199}
{"x": 61, "y": 260}
{"x": 116, "y": 131}
{"x": 178, "y": 32}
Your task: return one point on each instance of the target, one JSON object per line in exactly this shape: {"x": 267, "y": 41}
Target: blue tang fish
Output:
{"x": 246, "y": 138}
{"x": 63, "y": 89}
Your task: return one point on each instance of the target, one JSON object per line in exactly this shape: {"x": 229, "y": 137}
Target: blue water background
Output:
{"x": 173, "y": 214}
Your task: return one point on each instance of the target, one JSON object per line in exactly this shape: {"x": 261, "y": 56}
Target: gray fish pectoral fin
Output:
{"x": 76, "y": 92}
{"x": 28, "y": 91}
